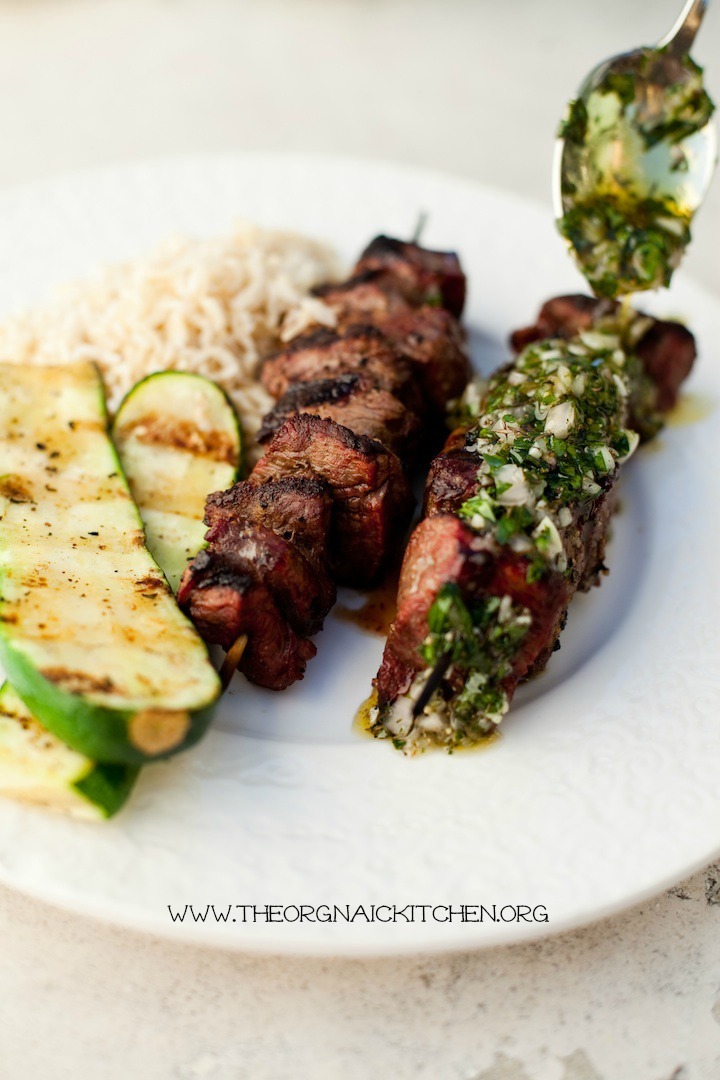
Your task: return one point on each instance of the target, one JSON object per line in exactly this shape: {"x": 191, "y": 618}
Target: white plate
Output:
{"x": 601, "y": 790}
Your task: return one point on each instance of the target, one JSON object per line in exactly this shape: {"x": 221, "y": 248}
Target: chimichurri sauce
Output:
{"x": 628, "y": 183}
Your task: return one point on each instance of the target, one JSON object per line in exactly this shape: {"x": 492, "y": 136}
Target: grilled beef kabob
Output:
{"x": 329, "y": 502}
{"x": 516, "y": 515}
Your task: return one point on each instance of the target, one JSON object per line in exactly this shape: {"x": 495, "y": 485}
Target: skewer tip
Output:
{"x": 231, "y": 661}
{"x": 431, "y": 683}
{"x": 422, "y": 220}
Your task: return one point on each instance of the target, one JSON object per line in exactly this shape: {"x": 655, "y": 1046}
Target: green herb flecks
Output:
{"x": 687, "y": 108}
{"x": 626, "y": 244}
{"x": 550, "y": 434}
{"x": 628, "y": 193}
{"x": 482, "y": 638}
{"x": 574, "y": 127}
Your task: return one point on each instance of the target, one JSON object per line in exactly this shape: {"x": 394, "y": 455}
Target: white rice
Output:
{"x": 215, "y": 307}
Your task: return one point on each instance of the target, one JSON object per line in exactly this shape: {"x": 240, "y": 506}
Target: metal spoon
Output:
{"x": 679, "y": 170}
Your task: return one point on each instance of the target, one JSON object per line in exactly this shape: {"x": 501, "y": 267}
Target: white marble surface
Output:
{"x": 475, "y": 88}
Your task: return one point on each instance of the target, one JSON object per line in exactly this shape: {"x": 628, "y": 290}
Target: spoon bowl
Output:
{"x": 658, "y": 163}
{"x": 634, "y": 161}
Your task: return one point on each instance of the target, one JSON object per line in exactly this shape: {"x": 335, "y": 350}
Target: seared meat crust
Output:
{"x": 371, "y": 496}
{"x": 303, "y": 591}
{"x": 355, "y": 402}
{"x": 361, "y": 349}
{"x": 452, "y": 478}
{"x": 223, "y": 605}
{"x": 426, "y": 275}
{"x": 297, "y": 508}
{"x": 432, "y": 340}
{"x": 370, "y": 296}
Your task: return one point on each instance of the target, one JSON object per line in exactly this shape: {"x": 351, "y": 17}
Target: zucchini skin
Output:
{"x": 100, "y": 733}
{"x": 153, "y": 725}
{"x": 108, "y": 787}
{"x": 36, "y": 767}
{"x": 179, "y": 439}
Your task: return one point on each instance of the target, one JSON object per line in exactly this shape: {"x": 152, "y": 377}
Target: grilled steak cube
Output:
{"x": 426, "y": 275}
{"x": 666, "y": 348}
{"x": 302, "y": 590}
{"x": 452, "y": 480}
{"x": 223, "y": 605}
{"x": 372, "y": 501}
{"x": 323, "y": 354}
{"x": 370, "y": 296}
{"x": 442, "y": 550}
{"x": 430, "y": 337}
{"x": 354, "y": 401}
{"x": 563, "y": 316}
{"x": 297, "y": 508}
{"x": 432, "y": 340}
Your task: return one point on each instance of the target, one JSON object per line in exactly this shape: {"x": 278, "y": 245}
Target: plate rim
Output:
{"x": 113, "y": 912}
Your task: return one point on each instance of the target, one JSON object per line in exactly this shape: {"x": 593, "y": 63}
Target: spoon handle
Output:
{"x": 679, "y": 40}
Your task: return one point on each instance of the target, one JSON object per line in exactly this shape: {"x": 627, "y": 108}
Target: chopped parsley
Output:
{"x": 549, "y": 436}
{"x": 482, "y": 638}
{"x": 627, "y": 194}
{"x": 626, "y": 244}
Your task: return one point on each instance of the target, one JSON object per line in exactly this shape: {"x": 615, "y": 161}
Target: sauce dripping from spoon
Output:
{"x": 634, "y": 160}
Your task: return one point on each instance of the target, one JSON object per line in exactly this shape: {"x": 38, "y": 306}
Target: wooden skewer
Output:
{"x": 232, "y": 659}
{"x": 422, "y": 221}
{"x": 431, "y": 683}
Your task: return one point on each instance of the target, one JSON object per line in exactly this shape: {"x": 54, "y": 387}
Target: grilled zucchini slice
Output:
{"x": 36, "y": 767}
{"x": 90, "y": 635}
{"x": 178, "y": 439}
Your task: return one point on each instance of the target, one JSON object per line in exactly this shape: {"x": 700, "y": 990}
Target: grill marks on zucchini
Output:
{"x": 36, "y": 767}
{"x": 178, "y": 439}
{"x": 90, "y": 635}
{"x": 170, "y": 431}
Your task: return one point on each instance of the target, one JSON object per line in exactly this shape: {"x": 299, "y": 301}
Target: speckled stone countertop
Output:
{"x": 474, "y": 88}
{"x": 636, "y": 997}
